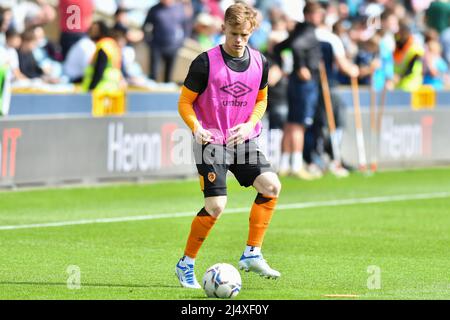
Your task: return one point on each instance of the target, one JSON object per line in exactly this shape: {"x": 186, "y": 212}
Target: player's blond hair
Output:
{"x": 240, "y": 13}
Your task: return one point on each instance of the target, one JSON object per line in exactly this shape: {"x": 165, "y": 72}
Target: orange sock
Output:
{"x": 260, "y": 216}
{"x": 200, "y": 228}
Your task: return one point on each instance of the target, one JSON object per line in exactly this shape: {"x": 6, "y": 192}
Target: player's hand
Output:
{"x": 202, "y": 136}
{"x": 239, "y": 133}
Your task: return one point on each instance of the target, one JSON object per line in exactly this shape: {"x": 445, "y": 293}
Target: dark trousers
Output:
{"x": 277, "y": 115}
{"x": 160, "y": 56}
{"x": 317, "y": 137}
{"x": 302, "y": 100}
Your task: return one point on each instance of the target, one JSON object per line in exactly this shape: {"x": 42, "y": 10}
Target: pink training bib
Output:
{"x": 230, "y": 97}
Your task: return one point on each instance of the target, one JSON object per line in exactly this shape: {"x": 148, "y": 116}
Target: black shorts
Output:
{"x": 246, "y": 161}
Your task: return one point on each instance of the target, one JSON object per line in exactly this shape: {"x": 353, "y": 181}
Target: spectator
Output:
{"x": 344, "y": 14}
{"x": 47, "y": 54}
{"x": 368, "y": 60}
{"x": 75, "y": 20}
{"x": 260, "y": 36}
{"x": 50, "y": 49}
{"x": 13, "y": 43}
{"x": 338, "y": 59}
{"x": 353, "y": 6}
{"x": 131, "y": 70}
{"x": 80, "y": 54}
{"x": 121, "y": 22}
{"x": 5, "y": 23}
{"x": 389, "y": 27}
{"x": 399, "y": 11}
{"x": 384, "y": 75}
{"x": 303, "y": 89}
{"x": 31, "y": 13}
{"x": 318, "y": 140}
{"x": 418, "y": 12}
{"x": 279, "y": 30}
{"x": 445, "y": 41}
{"x": 351, "y": 49}
{"x": 331, "y": 14}
{"x": 408, "y": 60}
{"x": 438, "y": 14}
{"x": 165, "y": 29}
{"x": 27, "y": 63}
{"x": 356, "y": 34}
{"x": 121, "y": 18}
{"x": 435, "y": 67}
{"x": 277, "y": 104}
{"x": 104, "y": 72}
{"x": 207, "y": 31}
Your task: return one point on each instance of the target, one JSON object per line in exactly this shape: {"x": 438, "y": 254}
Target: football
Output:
{"x": 222, "y": 280}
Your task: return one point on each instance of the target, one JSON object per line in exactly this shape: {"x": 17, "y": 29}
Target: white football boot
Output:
{"x": 186, "y": 275}
{"x": 257, "y": 264}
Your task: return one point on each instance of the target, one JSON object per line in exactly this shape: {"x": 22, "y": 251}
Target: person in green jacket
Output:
{"x": 105, "y": 71}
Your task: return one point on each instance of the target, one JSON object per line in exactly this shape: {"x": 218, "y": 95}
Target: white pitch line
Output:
{"x": 300, "y": 205}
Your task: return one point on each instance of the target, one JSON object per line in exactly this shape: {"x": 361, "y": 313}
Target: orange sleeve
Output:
{"x": 186, "y": 107}
{"x": 260, "y": 106}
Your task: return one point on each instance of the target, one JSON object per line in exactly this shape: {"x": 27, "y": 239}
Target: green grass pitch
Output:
{"x": 322, "y": 249}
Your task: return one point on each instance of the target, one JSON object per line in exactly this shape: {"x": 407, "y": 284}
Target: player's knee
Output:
{"x": 276, "y": 188}
{"x": 215, "y": 209}
{"x": 273, "y": 188}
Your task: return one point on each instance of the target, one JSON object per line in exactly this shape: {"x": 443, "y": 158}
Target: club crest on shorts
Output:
{"x": 211, "y": 177}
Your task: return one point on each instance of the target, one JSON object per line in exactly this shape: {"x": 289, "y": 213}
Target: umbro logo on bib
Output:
{"x": 236, "y": 89}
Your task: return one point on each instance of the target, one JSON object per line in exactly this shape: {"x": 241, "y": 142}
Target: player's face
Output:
{"x": 236, "y": 38}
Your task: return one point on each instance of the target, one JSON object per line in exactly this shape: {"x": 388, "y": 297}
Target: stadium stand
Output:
{"x": 49, "y": 94}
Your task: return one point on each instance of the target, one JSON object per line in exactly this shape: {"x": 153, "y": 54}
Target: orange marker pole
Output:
{"x": 329, "y": 112}
{"x": 362, "y": 161}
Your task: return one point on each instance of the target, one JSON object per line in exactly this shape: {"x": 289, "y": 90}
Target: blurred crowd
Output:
{"x": 369, "y": 30}
{"x": 384, "y": 44}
